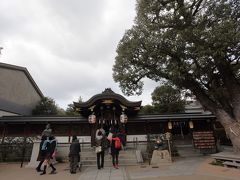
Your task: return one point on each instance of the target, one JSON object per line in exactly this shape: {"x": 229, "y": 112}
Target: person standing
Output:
{"x": 74, "y": 156}
{"x": 100, "y": 149}
{"x": 47, "y": 131}
{"x": 115, "y": 148}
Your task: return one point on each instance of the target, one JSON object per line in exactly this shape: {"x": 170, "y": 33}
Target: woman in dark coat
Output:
{"x": 41, "y": 154}
{"x": 48, "y": 148}
{"x": 100, "y": 143}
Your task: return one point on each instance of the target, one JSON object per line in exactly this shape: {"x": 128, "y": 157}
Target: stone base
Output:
{"x": 33, "y": 161}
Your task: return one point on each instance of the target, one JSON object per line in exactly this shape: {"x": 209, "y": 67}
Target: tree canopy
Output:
{"x": 71, "y": 111}
{"x": 193, "y": 44}
{"x": 46, "y": 106}
{"x": 167, "y": 99}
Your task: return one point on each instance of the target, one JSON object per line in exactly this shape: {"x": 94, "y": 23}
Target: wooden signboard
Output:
{"x": 204, "y": 140}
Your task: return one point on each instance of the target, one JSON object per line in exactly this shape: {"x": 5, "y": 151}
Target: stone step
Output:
{"x": 130, "y": 154}
{"x": 109, "y": 156}
{"x": 108, "y": 162}
{"x": 127, "y": 157}
{"x": 108, "y": 165}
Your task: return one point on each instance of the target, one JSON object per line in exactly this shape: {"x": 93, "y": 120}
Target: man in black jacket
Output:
{"x": 74, "y": 156}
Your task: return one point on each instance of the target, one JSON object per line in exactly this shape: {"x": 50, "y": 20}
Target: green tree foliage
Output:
{"x": 71, "y": 111}
{"x": 46, "y": 106}
{"x": 194, "y": 44}
{"x": 147, "y": 109}
{"x": 167, "y": 99}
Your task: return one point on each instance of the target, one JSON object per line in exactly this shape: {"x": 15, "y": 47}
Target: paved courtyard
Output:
{"x": 193, "y": 168}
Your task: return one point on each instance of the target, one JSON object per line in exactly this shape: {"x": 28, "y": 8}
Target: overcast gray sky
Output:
{"x": 68, "y": 46}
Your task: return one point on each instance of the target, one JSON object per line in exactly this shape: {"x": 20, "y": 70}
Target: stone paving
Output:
{"x": 183, "y": 167}
{"x": 108, "y": 173}
{"x": 192, "y": 168}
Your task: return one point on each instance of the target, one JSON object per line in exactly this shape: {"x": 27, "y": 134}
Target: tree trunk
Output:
{"x": 235, "y": 139}
{"x": 232, "y": 128}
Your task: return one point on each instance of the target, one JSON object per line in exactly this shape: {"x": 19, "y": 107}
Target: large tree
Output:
{"x": 195, "y": 45}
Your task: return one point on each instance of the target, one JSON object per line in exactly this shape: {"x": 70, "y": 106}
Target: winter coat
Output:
{"x": 74, "y": 149}
{"x": 101, "y": 141}
{"x": 113, "y": 149}
{"x": 48, "y": 148}
{"x": 41, "y": 153}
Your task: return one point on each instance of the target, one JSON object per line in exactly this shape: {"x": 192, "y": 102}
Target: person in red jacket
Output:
{"x": 115, "y": 150}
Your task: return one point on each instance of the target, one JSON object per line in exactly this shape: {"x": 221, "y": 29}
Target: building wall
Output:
{"x": 17, "y": 94}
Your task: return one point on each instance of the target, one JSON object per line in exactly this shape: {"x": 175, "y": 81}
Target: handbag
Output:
{"x": 98, "y": 149}
{"x": 54, "y": 154}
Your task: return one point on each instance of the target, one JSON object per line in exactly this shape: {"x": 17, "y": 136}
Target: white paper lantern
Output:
{"x": 92, "y": 119}
{"x": 169, "y": 125}
{"x": 123, "y": 118}
{"x": 191, "y": 125}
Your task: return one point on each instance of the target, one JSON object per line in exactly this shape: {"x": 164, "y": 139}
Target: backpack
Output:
{"x": 117, "y": 144}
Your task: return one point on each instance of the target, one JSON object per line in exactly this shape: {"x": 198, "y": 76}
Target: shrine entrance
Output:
{"x": 109, "y": 111}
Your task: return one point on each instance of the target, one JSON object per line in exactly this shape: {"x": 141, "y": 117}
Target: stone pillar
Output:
{"x": 33, "y": 161}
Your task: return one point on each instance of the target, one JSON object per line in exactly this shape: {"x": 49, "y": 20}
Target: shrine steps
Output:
{"x": 126, "y": 158}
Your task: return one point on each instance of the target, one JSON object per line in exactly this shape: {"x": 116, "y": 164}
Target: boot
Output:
{"x": 38, "y": 168}
{"x": 53, "y": 169}
{"x": 44, "y": 170}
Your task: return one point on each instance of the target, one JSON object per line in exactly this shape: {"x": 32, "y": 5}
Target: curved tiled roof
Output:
{"x": 108, "y": 94}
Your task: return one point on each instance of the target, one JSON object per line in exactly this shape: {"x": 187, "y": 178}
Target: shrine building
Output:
{"x": 107, "y": 109}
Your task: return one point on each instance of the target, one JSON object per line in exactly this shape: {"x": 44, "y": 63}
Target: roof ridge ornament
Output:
{"x": 108, "y": 91}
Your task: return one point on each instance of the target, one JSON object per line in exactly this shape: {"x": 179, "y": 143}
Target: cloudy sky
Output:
{"x": 68, "y": 46}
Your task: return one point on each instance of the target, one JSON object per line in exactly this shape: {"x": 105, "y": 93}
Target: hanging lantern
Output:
{"x": 191, "y": 125}
{"x": 92, "y": 119}
{"x": 123, "y": 118}
{"x": 169, "y": 125}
